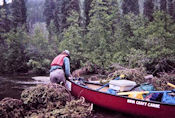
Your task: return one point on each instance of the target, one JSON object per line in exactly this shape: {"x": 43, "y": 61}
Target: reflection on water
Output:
{"x": 13, "y": 86}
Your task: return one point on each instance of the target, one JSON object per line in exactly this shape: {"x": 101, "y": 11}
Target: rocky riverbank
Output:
{"x": 45, "y": 101}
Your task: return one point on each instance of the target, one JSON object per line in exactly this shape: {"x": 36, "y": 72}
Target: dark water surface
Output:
{"x": 12, "y": 86}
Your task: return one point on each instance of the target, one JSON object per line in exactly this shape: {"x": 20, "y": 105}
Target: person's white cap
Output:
{"x": 148, "y": 77}
{"x": 66, "y": 51}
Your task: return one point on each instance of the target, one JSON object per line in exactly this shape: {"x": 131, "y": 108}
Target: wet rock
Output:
{"x": 11, "y": 108}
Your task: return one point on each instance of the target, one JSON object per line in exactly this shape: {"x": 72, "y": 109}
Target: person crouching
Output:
{"x": 60, "y": 68}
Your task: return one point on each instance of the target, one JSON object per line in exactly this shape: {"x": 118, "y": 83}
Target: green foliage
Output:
{"x": 100, "y": 36}
{"x": 160, "y": 38}
{"x": 45, "y": 96}
{"x": 40, "y": 52}
{"x": 4, "y": 21}
{"x": 136, "y": 58}
{"x": 22, "y": 52}
{"x": 35, "y": 10}
{"x": 49, "y": 7}
{"x": 129, "y": 35}
{"x": 73, "y": 40}
{"x": 140, "y": 41}
{"x": 108, "y": 36}
{"x": 14, "y": 55}
{"x": 55, "y": 12}
{"x": 18, "y": 11}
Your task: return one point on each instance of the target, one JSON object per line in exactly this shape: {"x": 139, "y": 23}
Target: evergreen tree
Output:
{"x": 35, "y": 12}
{"x": 60, "y": 15}
{"x": 148, "y": 9}
{"x": 49, "y": 7}
{"x": 14, "y": 57}
{"x": 55, "y": 13}
{"x": 163, "y": 5}
{"x": 132, "y": 43}
{"x": 100, "y": 36}
{"x": 5, "y": 22}
{"x": 130, "y": 6}
{"x": 160, "y": 36}
{"x": 87, "y": 9}
{"x": 39, "y": 51}
{"x": 18, "y": 10}
{"x": 49, "y": 10}
{"x": 74, "y": 41}
{"x": 171, "y": 7}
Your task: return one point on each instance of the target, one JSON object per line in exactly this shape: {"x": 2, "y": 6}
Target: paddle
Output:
{"x": 143, "y": 92}
{"x": 172, "y": 85}
{"x": 146, "y": 92}
{"x": 121, "y": 76}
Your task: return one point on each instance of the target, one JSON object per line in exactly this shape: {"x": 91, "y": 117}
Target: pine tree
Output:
{"x": 87, "y": 9}
{"x": 160, "y": 36}
{"x": 171, "y": 7}
{"x": 163, "y": 5}
{"x": 74, "y": 40}
{"x": 148, "y": 9}
{"x": 35, "y": 12}
{"x": 130, "y": 6}
{"x": 100, "y": 36}
{"x": 5, "y": 22}
{"x": 14, "y": 58}
{"x": 56, "y": 12}
{"x": 18, "y": 10}
{"x": 49, "y": 10}
{"x": 60, "y": 15}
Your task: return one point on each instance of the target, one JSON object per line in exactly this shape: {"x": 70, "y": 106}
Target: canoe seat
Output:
{"x": 95, "y": 87}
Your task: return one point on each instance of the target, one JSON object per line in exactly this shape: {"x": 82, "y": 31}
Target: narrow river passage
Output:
{"x": 12, "y": 86}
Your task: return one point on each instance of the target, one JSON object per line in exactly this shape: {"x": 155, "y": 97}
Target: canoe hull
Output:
{"x": 124, "y": 104}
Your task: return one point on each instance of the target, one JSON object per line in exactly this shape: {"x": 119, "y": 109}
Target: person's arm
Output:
{"x": 67, "y": 67}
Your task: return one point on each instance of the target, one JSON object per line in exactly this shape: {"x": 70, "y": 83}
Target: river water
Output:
{"x": 12, "y": 86}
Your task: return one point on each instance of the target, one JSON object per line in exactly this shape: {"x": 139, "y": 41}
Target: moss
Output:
{"x": 11, "y": 108}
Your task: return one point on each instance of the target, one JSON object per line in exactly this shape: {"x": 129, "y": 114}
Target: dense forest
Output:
{"x": 132, "y": 33}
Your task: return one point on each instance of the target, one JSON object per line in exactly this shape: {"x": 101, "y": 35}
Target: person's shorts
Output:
{"x": 57, "y": 76}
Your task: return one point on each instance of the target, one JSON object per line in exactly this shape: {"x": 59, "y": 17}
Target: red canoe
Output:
{"x": 121, "y": 103}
